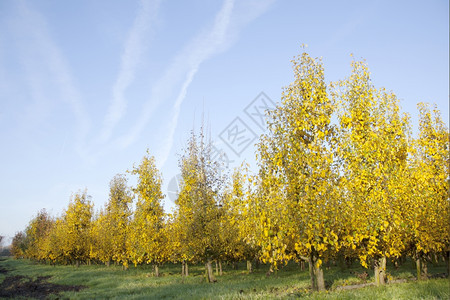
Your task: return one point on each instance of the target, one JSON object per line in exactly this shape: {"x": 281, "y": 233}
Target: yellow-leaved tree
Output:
{"x": 300, "y": 198}
{"x": 37, "y": 234}
{"x": 237, "y": 220}
{"x": 148, "y": 238}
{"x": 76, "y": 223}
{"x": 19, "y": 245}
{"x": 115, "y": 220}
{"x": 101, "y": 247}
{"x": 428, "y": 218}
{"x": 56, "y": 240}
{"x": 373, "y": 145}
{"x": 198, "y": 213}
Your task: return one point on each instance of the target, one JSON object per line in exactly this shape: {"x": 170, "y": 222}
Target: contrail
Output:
{"x": 199, "y": 49}
{"x": 167, "y": 144}
{"x": 214, "y": 39}
{"x": 227, "y": 23}
{"x": 220, "y": 38}
{"x": 131, "y": 57}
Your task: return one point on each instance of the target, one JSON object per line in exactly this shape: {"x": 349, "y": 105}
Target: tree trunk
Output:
{"x": 448, "y": 264}
{"x": 256, "y": 263}
{"x": 316, "y": 272}
{"x": 209, "y": 271}
{"x": 380, "y": 271}
{"x": 419, "y": 275}
{"x": 421, "y": 266}
{"x": 402, "y": 259}
{"x": 108, "y": 263}
{"x": 235, "y": 266}
{"x": 184, "y": 269}
{"x": 217, "y": 268}
{"x": 249, "y": 266}
{"x": 424, "y": 268}
{"x": 220, "y": 267}
{"x": 348, "y": 262}
{"x": 270, "y": 271}
{"x": 311, "y": 273}
{"x": 156, "y": 268}
{"x": 77, "y": 263}
{"x": 302, "y": 265}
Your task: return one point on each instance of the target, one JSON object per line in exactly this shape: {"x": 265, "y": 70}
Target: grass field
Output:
{"x": 138, "y": 283}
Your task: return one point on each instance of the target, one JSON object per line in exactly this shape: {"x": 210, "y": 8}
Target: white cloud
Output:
{"x": 134, "y": 48}
{"x": 42, "y": 57}
{"x": 4, "y": 82}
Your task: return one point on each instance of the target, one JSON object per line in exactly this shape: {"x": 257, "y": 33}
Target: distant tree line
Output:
{"x": 340, "y": 177}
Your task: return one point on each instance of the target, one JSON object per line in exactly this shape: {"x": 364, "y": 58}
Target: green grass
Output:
{"x": 138, "y": 283}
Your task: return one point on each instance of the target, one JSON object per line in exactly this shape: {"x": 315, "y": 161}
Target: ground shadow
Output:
{"x": 24, "y": 286}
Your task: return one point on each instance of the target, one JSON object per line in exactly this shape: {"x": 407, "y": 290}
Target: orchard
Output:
{"x": 339, "y": 177}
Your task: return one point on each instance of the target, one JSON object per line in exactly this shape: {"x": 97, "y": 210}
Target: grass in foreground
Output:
{"x": 138, "y": 283}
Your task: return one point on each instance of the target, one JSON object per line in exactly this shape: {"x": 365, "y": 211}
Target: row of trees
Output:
{"x": 339, "y": 176}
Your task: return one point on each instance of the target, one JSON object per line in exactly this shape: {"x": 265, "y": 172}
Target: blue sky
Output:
{"x": 87, "y": 86}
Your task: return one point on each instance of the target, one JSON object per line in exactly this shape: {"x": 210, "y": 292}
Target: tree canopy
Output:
{"x": 339, "y": 176}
